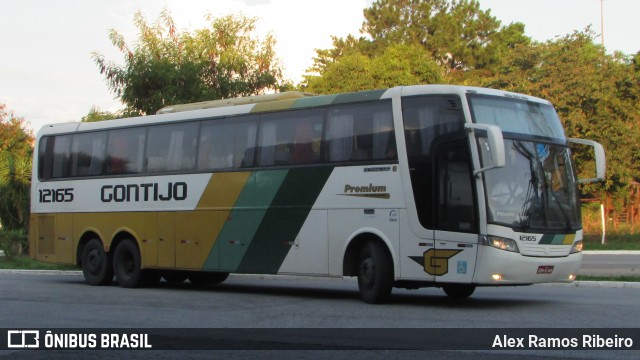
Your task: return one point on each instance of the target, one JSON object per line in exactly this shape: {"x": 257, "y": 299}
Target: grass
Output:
{"x": 612, "y": 242}
{"x": 27, "y": 263}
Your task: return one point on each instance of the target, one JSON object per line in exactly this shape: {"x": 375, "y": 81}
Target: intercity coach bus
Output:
{"x": 427, "y": 185}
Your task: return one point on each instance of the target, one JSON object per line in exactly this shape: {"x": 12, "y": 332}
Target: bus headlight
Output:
{"x": 502, "y": 243}
{"x": 577, "y": 247}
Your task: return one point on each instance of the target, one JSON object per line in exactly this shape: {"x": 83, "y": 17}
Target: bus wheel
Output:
{"x": 207, "y": 278}
{"x": 375, "y": 273}
{"x": 459, "y": 291}
{"x": 96, "y": 265}
{"x": 126, "y": 264}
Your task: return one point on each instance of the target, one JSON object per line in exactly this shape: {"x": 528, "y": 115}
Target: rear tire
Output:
{"x": 97, "y": 267}
{"x": 127, "y": 264}
{"x": 459, "y": 291}
{"x": 375, "y": 273}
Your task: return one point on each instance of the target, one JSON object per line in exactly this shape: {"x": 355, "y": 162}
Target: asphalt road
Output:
{"x": 276, "y": 308}
{"x": 281, "y": 310}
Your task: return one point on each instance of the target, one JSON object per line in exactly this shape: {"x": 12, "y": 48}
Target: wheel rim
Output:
{"x": 367, "y": 273}
{"x": 95, "y": 261}
{"x": 128, "y": 264}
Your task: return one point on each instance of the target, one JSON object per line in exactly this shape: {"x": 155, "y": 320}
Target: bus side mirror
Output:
{"x": 496, "y": 145}
{"x": 601, "y": 163}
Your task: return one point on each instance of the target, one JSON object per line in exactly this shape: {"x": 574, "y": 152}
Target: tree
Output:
{"x": 168, "y": 67}
{"x": 457, "y": 33}
{"x": 596, "y": 95}
{"x": 95, "y": 114}
{"x": 454, "y": 35}
{"x": 396, "y": 65}
{"x": 16, "y": 144}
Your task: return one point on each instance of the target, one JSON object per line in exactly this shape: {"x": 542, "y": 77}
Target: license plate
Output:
{"x": 545, "y": 269}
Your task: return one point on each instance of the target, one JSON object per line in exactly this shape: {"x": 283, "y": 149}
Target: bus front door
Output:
{"x": 456, "y": 238}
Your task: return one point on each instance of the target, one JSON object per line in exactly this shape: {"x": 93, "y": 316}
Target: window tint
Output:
{"x": 172, "y": 147}
{"x": 360, "y": 132}
{"x": 61, "y": 147}
{"x": 342, "y": 133}
{"x": 88, "y": 153}
{"x": 455, "y": 195}
{"x": 125, "y": 151}
{"x": 291, "y": 138}
{"x": 227, "y": 144}
{"x": 429, "y": 121}
{"x": 44, "y": 162}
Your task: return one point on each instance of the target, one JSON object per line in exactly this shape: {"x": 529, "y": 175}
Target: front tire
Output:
{"x": 97, "y": 267}
{"x": 375, "y": 273}
{"x": 127, "y": 264}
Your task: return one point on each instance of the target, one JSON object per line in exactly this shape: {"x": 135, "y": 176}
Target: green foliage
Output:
{"x": 395, "y": 65}
{"x": 15, "y": 171}
{"x": 14, "y": 137}
{"x": 413, "y": 41}
{"x": 13, "y": 243}
{"x": 595, "y": 94}
{"x": 613, "y": 241}
{"x": 95, "y": 114}
{"x": 168, "y": 67}
{"x": 457, "y": 33}
{"x": 621, "y": 278}
{"x": 27, "y": 263}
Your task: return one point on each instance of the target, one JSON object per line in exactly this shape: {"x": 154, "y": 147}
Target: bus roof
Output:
{"x": 289, "y": 95}
{"x": 271, "y": 102}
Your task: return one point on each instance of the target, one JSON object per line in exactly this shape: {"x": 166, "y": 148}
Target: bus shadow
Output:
{"x": 431, "y": 297}
{"x": 424, "y": 297}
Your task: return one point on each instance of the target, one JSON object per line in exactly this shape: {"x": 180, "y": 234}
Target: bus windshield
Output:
{"x": 536, "y": 190}
{"x": 517, "y": 116}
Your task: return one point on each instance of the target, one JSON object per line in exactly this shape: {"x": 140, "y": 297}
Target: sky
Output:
{"x": 47, "y": 74}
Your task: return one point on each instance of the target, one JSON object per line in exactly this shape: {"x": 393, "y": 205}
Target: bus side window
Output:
{"x": 125, "y": 150}
{"x": 339, "y": 136}
{"x": 45, "y": 161}
{"x": 362, "y": 132}
{"x": 172, "y": 147}
{"x": 61, "y": 156}
{"x": 290, "y": 138}
{"x": 87, "y": 153}
{"x": 226, "y": 144}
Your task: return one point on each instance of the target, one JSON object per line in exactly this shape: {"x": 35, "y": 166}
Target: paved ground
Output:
{"x": 602, "y": 263}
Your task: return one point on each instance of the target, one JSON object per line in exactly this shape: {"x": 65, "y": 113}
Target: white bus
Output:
{"x": 434, "y": 185}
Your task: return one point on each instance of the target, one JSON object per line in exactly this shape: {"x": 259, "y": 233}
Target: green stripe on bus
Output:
{"x": 242, "y": 223}
{"x": 284, "y": 219}
{"x": 313, "y": 101}
{"x": 553, "y": 239}
{"x": 358, "y": 97}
